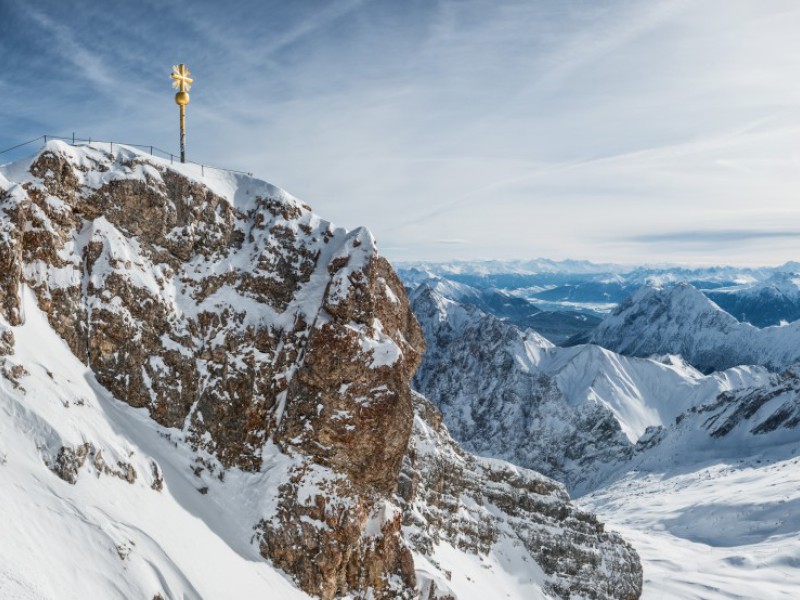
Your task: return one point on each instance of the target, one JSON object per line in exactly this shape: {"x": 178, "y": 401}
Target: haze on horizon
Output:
{"x": 623, "y": 131}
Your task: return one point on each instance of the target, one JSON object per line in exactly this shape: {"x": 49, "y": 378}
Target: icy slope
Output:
{"x": 566, "y": 412}
{"x": 681, "y": 320}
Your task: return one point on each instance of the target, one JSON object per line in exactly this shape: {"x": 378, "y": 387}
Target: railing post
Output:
{"x": 151, "y": 151}
{"x": 73, "y": 138}
{"x": 45, "y": 139}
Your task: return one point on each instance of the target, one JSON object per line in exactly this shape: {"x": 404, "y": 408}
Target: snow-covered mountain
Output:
{"x": 707, "y": 492}
{"x": 762, "y": 296}
{"x": 511, "y": 308}
{"x": 681, "y": 320}
{"x": 566, "y": 412}
{"x": 557, "y": 326}
{"x": 769, "y": 302}
{"x": 204, "y": 393}
{"x": 572, "y": 271}
{"x": 536, "y": 266}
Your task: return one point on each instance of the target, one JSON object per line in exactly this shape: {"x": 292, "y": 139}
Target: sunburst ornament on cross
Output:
{"x": 183, "y": 83}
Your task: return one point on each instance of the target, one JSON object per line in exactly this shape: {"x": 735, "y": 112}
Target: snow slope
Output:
{"x": 712, "y": 503}
{"x": 104, "y": 536}
{"x": 721, "y": 531}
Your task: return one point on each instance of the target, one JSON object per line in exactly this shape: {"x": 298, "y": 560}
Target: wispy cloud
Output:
{"x": 517, "y": 129}
{"x": 88, "y": 64}
{"x": 319, "y": 20}
{"x": 607, "y": 29}
{"x": 726, "y": 236}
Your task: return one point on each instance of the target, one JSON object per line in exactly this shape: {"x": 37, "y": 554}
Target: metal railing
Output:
{"x": 154, "y": 150}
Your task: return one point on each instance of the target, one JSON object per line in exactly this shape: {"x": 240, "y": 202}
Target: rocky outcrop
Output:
{"x": 476, "y": 504}
{"x": 68, "y": 462}
{"x": 770, "y": 411}
{"x": 239, "y": 317}
{"x": 750, "y": 426}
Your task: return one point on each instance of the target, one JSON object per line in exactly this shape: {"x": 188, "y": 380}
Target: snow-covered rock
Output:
{"x": 506, "y": 515}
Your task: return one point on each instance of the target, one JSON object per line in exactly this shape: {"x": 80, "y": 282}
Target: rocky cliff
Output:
{"x": 250, "y": 329}
{"x": 480, "y": 505}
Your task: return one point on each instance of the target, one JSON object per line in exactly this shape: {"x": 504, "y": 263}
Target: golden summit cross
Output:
{"x": 183, "y": 83}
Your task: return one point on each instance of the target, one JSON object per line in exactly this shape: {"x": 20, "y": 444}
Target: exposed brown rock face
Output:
{"x": 336, "y": 540}
{"x": 357, "y": 414}
{"x": 157, "y": 283}
{"x": 236, "y": 315}
{"x": 239, "y": 322}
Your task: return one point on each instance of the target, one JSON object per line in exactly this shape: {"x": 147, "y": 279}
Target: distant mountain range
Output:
{"x": 761, "y": 296}
{"x": 769, "y": 302}
{"x": 556, "y": 325}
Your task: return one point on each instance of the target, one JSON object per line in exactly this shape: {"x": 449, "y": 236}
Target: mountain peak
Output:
{"x": 233, "y": 314}
{"x": 681, "y": 320}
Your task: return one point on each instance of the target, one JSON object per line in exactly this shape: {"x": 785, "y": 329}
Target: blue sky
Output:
{"x": 614, "y": 131}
